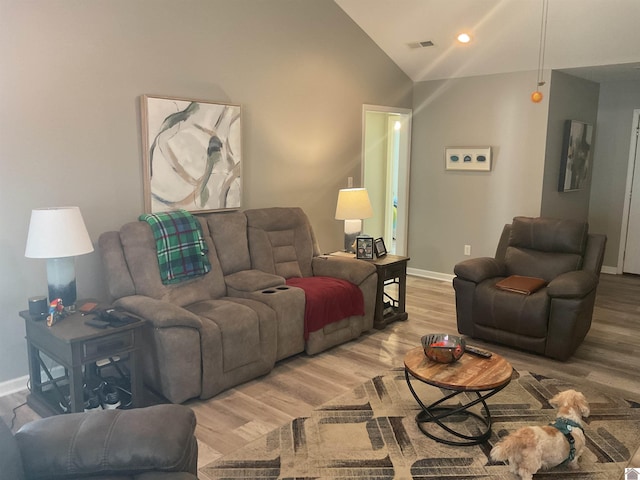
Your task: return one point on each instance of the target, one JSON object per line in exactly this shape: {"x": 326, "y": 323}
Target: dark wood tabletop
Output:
{"x": 470, "y": 372}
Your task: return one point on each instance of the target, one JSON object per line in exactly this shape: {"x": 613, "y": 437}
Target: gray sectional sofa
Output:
{"x": 232, "y": 324}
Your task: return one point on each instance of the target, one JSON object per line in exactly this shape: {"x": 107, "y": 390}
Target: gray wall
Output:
{"x": 613, "y": 136}
{"x": 450, "y": 209}
{"x": 72, "y": 72}
{"x": 571, "y": 98}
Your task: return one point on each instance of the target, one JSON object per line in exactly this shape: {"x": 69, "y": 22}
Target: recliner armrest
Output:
{"x": 350, "y": 269}
{"x": 158, "y": 313}
{"x": 576, "y": 284}
{"x": 479, "y": 269}
{"x": 110, "y": 442}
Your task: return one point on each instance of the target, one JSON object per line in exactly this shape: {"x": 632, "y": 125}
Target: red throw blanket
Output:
{"x": 328, "y": 300}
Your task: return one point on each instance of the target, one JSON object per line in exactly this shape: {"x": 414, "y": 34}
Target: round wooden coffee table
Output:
{"x": 483, "y": 376}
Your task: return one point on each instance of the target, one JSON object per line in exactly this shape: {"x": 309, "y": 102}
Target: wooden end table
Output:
{"x": 75, "y": 346}
{"x": 483, "y": 376}
{"x": 391, "y": 270}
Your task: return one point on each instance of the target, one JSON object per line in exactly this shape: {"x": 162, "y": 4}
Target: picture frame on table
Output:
{"x": 380, "y": 248}
{"x": 364, "y": 248}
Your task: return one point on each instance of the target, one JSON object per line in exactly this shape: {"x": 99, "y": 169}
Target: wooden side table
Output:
{"x": 483, "y": 376}
{"x": 390, "y": 307}
{"x": 75, "y": 346}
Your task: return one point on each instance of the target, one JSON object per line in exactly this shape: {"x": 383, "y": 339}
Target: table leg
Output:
{"x": 435, "y": 413}
{"x": 76, "y": 389}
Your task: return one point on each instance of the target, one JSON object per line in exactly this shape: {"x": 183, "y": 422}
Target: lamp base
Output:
{"x": 352, "y": 228}
{"x": 61, "y": 277}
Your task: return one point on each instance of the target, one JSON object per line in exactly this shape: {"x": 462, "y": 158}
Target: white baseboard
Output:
{"x": 14, "y": 385}
{"x": 445, "y": 277}
{"x": 21, "y": 383}
{"x": 610, "y": 270}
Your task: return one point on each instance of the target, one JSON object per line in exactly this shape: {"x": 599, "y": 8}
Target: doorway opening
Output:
{"x": 386, "y": 147}
{"x": 629, "y": 256}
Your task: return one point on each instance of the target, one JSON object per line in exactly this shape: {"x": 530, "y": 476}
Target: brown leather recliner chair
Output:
{"x": 153, "y": 443}
{"x": 552, "y": 321}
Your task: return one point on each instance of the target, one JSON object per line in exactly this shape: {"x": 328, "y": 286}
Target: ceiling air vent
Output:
{"x": 424, "y": 44}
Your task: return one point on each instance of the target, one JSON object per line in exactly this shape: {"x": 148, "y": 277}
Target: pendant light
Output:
{"x": 536, "y": 96}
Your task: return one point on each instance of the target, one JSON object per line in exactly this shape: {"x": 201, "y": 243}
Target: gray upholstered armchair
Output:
{"x": 552, "y": 321}
{"x": 153, "y": 443}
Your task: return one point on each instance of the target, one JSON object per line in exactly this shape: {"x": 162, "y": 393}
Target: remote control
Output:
{"x": 477, "y": 351}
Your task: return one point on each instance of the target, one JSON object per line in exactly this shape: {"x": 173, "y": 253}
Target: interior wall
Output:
{"x": 570, "y": 98}
{"x": 72, "y": 73}
{"x": 613, "y": 137}
{"x": 450, "y": 209}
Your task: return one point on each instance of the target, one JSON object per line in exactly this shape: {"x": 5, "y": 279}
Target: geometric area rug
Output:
{"x": 370, "y": 433}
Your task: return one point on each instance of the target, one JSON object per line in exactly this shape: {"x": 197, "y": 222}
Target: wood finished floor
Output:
{"x": 609, "y": 356}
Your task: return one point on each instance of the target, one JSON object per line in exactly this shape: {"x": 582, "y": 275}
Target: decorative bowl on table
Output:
{"x": 442, "y": 347}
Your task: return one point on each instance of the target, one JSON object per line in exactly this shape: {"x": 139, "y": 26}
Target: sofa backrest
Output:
{"x": 229, "y": 233}
{"x": 544, "y": 247}
{"x": 131, "y": 266}
{"x": 281, "y": 241}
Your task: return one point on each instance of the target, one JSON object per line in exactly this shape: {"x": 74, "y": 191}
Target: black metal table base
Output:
{"x": 436, "y": 414}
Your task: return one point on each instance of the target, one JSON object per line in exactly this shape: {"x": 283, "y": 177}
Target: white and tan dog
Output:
{"x": 530, "y": 449}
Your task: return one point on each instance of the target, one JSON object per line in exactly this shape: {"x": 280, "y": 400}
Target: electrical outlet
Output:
{"x": 467, "y": 250}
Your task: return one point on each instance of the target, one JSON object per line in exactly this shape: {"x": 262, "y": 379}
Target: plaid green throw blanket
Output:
{"x": 182, "y": 251}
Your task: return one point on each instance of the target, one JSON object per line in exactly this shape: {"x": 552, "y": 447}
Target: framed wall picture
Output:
{"x": 574, "y": 160}
{"x": 468, "y": 158}
{"x": 192, "y": 155}
{"x": 379, "y": 247}
{"x": 364, "y": 248}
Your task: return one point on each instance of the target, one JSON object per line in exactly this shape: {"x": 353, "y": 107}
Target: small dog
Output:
{"x": 530, "y": 449}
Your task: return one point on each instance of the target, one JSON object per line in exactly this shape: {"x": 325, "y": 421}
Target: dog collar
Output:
{"x": 566, "y": 426}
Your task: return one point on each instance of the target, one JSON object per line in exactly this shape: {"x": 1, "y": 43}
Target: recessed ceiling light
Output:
{"x": 464, "y": 38}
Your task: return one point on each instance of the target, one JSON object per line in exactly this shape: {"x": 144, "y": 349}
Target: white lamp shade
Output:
{"x": 353, "y": 203}
{"x": 57, "y": 233}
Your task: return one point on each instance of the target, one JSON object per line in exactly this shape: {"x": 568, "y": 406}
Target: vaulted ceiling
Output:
{"x": 580, "y": 35}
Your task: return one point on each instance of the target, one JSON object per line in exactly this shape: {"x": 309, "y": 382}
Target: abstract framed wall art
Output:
{"x": 192, "y": 155}
{"x": 468, "y": 158}
{"x": 574, "y": 160}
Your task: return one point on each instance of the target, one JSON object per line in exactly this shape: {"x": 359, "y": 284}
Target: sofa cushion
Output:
{"x": 327, "y": 300}
{"x": 239, "y": 327}
{"x": 511, "y": 312}
{"x": 229, "y": 233}
{"x": 549, "y": 235}
{"x": 545, "y": 247}
{"x": 534, "y": 263}
{"x": 102, "y": 445}
{"x": 281, "y": 241}
{"x": 140, "y": 253}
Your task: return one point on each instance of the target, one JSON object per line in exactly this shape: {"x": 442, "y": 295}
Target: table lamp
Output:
{"x": 58, "y": 234}
{"x": 353, "y": 205}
